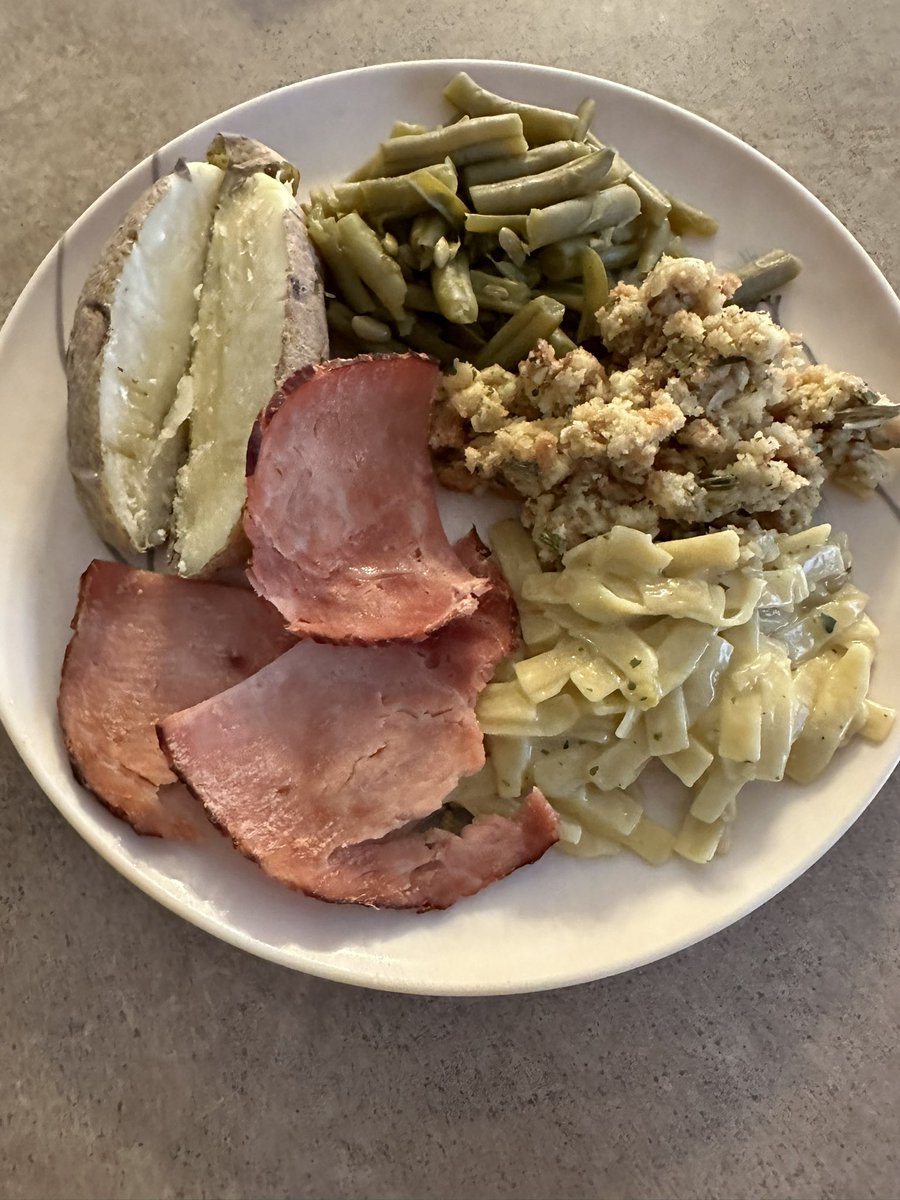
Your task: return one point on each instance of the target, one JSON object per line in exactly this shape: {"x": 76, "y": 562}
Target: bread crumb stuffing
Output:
{"x": 700, "y": 415}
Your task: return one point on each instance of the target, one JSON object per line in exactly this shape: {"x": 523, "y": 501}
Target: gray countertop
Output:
{"x": 141, "y": 1058}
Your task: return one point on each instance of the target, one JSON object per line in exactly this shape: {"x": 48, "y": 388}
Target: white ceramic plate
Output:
{"x": 561, "y": 921}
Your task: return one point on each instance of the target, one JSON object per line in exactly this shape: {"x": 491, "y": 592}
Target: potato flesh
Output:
{"x": 236, "y": 354}
{"x": 148, "y": 348}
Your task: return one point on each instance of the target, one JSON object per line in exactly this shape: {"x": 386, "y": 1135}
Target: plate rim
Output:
{"x": 111, "y": 852}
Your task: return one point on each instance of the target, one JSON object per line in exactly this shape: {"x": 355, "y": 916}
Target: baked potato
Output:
{"x": 205, "y": 300}
{"x": 130, "y": 346}
{"x": 261, "y": 318}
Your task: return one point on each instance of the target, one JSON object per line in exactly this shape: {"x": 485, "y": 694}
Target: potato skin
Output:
{"x": 243, "y": 156}
{"x": 305, "y": 337}
{"x": 84, "y": 363}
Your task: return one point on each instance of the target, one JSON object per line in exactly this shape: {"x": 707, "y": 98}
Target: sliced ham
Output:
{"x": 341, "y": 512}
{"x": 326, "y": 747}
{"x": 473, "y": 647}
{"x": 329, "y": 749}
{"x": 434, "y": 869}
{"x": 146, "y": 645}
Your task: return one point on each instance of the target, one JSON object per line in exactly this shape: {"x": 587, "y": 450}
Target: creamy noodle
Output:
{"x": 726, "y": 658}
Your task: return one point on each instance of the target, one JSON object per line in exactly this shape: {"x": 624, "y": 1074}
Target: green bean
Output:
{"x": 571, "y": 295}
{"x": 425, "y": 231}
{"x": 482, "y": 223}
{"x": 583, "y": 214}
{"x": 562, "y": 260}
{"x": 471, "y": 156}
{"x": 376, "y": 269}
{"x": 421, "y": 298}
{"x": 654, "y": 205}
{"x": 471, "y": 337}
{"x": 540, "y": 125}
{"x": 510, "y": 271}
{"x": 561, "y": 343}
{"x": 531, "y": 272}
{"x": 622, "y": 254}
{"x": 340, "y": 317}
{"x": 542, "y": 158}
{"x": 427, "y": 337}
{"x": 371, "y": 168}
{"x": 320, "y": 202}
{"x": 558, "y": 217}
{"x": 406, "y": 128}
{"x": 424, "y": 235}
{"x": 442, "y": 199}
{"x": 596, "y": 292}
{"x": 515, "y": 289}
{"x": 401, "y": 324}
{"x": 390, "y": 196}
{"x": 424, "y": 149}
{"x": 629, "y": 231}
{"x": 497, "y": 294}
{"x": 575, "y": 178}
{"x": 653, "y": 247}
{"x": 368, "y": 329}
{"x": 492, "y": 300}
{"x": 512, "y": 342}
{"x": 513, "y": 246}
{"x": 620, "y": 170}
{"x": 374, "y": 167}
{"x": 764, "y": 275}
{"x": 453, "y": 291}
{"x": 481, "y": 245}
{"x": 686, "y": 220}
{"x": 407, "y": 259}
{"x": 585, "y": 114}
{"x": 325, "y": 237}
{"x": 444, "y": 252}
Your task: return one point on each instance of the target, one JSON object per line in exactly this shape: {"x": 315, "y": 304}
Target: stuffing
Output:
{"x": 700, "y": 415}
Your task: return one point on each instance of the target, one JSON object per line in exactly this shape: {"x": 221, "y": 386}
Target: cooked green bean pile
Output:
{"x": 506, "y": 225}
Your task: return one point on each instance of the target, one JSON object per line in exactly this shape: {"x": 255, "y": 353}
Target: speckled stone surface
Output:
{"x": 139, "y": 1058}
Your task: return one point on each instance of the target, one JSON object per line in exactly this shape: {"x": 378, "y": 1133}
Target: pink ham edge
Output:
{"x": 330, "y": 748}
{"x": 341, "y": 513}
{"x": 145, "y": 645}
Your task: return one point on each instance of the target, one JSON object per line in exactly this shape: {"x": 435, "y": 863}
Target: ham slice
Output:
{"x": 146, "y": 645}
{"x": 435, "y": 868}
{"x": 341, "y": 514}
{"x": 312, "y": 762}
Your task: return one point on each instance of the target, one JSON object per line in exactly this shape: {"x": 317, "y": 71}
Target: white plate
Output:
{"x": 561, "y": 921}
